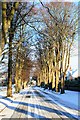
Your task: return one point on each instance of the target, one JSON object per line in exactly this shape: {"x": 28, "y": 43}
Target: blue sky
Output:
{"x": 53, "y": 0}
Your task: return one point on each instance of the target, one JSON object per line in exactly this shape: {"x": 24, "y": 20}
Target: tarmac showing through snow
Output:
{"x": 35, "y": 102}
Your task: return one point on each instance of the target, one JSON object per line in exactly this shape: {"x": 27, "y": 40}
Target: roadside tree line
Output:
{"x": 55, "y": 40}
{"x": 54, "y": 27}
{"x": 16, "y": 36}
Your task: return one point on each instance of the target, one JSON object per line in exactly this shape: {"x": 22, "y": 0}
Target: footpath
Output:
{"x": 7, "y": 104}
{"x": 68, "y": 101}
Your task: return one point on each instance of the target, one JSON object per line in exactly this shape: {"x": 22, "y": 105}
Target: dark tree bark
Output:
{"x": 9, "y": 87}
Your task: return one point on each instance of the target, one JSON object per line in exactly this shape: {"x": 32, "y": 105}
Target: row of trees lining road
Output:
{"x": 52, "y": 27}
{"x": 55, "y": 42}
{"x": 14, "y": 14}
{"x": 8, "y": 11}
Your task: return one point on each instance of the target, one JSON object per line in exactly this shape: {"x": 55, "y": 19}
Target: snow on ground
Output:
{"x": 70, "y": 98}
{"x": 2, "y": 92}
{"x": 9, "y": 102}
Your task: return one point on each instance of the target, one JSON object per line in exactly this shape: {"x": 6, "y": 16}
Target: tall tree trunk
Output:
{"x": 41, "y": 77}
{"x": 17, "y": 71}
{"x": 50, "y": 73}
{"x": 19, "y": 82}
{"x": 53, "y": 81}
{"x": 57, "y": 81}
{"x": 46, "y": 76}
{"x": 4, "y": 27}
{"x": 16, "y": 77}
{"x": 62, "y": 85}
{"x": 57, "y": 77}
{"x": 62, "y": 78}
{"x": 6, "y": 22}
{"x": 9, "y": 87}
{"x": 38, "y": 80}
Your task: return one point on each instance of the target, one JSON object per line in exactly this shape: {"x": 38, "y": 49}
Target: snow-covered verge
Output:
{"x": 69, "y": 98}
{"x": 4, "y": 101}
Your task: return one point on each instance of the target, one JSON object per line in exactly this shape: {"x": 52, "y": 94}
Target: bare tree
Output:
{"x": 60, "y": 22}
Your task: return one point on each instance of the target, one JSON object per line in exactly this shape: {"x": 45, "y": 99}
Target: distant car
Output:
{"x": 28, "y": 85}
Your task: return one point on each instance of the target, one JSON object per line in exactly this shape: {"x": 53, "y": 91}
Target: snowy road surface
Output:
{"x": 35, "y": 103}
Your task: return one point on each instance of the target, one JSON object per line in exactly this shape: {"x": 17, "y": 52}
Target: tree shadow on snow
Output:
{"x": 32, "y": 114}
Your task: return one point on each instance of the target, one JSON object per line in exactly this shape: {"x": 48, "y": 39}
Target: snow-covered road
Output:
{"x": 34, "y": 102}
